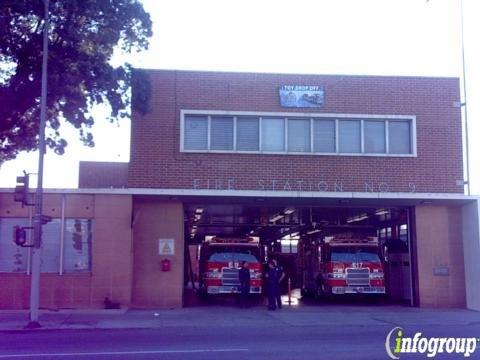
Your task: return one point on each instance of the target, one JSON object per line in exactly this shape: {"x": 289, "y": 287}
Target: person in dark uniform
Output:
{"x": 244, "y": 278}
{"x": 279, "y": 274}
{"x": 272, "y": 285}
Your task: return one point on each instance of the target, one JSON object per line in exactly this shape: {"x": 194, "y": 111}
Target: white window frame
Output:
{"x": 260, "y": 146}
{"x": 310, "y": 119}
{"x": 312, "y": 116}
{"x": 209, "y": 134}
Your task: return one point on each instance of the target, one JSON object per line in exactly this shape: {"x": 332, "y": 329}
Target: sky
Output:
{"x": 368, "y": 37}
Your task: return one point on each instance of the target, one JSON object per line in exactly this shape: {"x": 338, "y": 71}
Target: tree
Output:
{"x": 83, "y": 35}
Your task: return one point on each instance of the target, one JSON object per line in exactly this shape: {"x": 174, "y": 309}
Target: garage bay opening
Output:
{"x": 335, "y": 254}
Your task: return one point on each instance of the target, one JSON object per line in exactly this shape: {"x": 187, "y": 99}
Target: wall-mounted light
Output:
{"x": 380, "y": 212}
{"x": 289, "y": 211}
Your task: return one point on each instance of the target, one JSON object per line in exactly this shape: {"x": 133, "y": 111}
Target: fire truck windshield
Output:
{"x": 232, "y": 256}
{"x": 355, "y": 255}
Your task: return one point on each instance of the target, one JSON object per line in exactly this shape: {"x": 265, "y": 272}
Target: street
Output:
{"x": 282, "y": 341}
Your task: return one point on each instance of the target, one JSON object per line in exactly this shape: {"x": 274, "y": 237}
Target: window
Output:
{"x": 375, "y": 137}
{"x": 221, "y": 137}
{"x": 247, "y": 134}
{"x": 382, "y": 234}
{"x": 324, "y": 136}
{"x": 13, "y": 258}
{"x": 196, "y": 130}
{"x": 355, "y": 255}
{"x": 349, "y": 140}
{"x": 77, "y": 247}
{"x": 51, "y": 233}
{"x": 273, "y": 134}
{"x": 399, "y": 137}
{"x": 403, "y": 233}
{"x": 233, "y": 256}
{"x": 290, "y": 133}
{"x": 299, "y": 135}
{"x": 289, "y": 245}
{"x": 77, "y": 239}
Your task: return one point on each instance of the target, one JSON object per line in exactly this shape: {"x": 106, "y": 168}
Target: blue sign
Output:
{"x": 301, "y": 96}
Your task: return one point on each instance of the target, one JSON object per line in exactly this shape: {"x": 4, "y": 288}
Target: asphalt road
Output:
{"x": 211, "y": 342}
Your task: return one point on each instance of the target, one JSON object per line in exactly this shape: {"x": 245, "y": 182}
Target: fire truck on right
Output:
{"x": 342, "y": 264}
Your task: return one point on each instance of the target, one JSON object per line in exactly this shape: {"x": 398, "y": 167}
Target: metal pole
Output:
{"x": 62, "y": 235}
{"x": 465, "y": 101}
{"x": 289, "y": 291}
{"x": 37, "y": 221}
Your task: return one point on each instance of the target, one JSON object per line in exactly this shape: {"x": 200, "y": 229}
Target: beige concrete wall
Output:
{"x": 111, "y": 273}
{"x": 154, "y": 220}
{"x": 9, "y": 208}
{"x": 112, "y": 250}
{"x": 471, "y": 251}
{"x": 440, "y": 246}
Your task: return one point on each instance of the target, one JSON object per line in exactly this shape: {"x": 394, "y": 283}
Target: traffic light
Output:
{"x": 19, "y": 236}
{"x": 21, "y": 190}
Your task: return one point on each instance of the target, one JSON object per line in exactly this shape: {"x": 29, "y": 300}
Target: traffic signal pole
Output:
{"x": 37, "y": 219}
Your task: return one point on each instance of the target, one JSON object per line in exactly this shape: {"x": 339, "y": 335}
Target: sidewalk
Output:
{"x": 223, "y": 316}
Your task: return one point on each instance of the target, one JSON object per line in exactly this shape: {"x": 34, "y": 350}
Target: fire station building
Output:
{"x": 280, "y": 157}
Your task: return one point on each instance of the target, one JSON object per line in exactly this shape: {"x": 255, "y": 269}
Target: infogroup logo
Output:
{"x": 397, "y": 344}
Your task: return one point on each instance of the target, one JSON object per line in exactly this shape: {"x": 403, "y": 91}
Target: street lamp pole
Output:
{"x": 37, "y": 219}
{"x": 464, "y": 104}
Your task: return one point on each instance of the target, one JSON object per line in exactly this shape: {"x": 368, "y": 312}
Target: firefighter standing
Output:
{"x": 244, "y": 278}
{"x": 272, "y": 285}
{"x": 279, "y": 275}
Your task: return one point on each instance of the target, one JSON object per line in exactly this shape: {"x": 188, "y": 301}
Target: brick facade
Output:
{"x": 96, "y": 174}
{"x": 156, "y": 160}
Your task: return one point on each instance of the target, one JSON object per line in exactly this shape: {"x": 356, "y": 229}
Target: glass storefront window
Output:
{"x": 13, "y": 258}
{"x": 51, "y": 246}
{"x": 77, "y": 245}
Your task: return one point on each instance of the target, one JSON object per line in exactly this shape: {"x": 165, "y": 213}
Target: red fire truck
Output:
{"x": 220, "y": 260}
{"x": 343, "y": 264}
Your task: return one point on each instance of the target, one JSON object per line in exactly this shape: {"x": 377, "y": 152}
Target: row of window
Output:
{"x": 297, "y": 135}
{"x": 385, "y": 234}
{"x": 65, "y": 247}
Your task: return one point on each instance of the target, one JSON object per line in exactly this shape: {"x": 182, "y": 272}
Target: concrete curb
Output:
{"x": 221, "y": 316}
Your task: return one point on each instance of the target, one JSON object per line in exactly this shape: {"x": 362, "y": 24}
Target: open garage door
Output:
{"x": 295, "y": 235}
